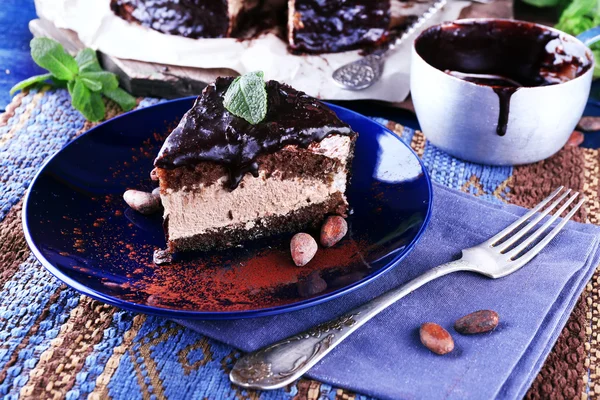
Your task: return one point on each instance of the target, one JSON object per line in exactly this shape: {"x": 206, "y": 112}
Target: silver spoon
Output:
{"x": 490, "y": 77}
{"x": 363, "y": 73}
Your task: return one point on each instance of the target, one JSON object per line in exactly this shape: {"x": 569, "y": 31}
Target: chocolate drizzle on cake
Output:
{"x": 208, "y": 132}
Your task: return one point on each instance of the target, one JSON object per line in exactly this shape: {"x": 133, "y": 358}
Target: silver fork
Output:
{"x": 285, "y": 361}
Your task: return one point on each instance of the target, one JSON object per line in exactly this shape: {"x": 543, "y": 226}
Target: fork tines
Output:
{"x": 513, "y": 241}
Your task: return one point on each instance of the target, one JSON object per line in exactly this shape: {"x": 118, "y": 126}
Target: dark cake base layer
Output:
{"x": 307, "y": 217}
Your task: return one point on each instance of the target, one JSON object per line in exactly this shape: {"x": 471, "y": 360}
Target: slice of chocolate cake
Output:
{"x": 224, "y": 180}
{"x": 189, "y": 18}
{"x": 316, "y": 26}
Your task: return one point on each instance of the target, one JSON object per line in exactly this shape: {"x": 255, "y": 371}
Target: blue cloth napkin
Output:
{"x": 385, "y": 358}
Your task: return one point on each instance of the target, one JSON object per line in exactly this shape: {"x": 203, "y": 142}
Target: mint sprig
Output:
{"x": 82, "y": 75}
{"x": 246, "y": 97}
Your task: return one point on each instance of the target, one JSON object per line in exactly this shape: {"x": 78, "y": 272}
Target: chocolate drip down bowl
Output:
{"x": 499, "y": 92}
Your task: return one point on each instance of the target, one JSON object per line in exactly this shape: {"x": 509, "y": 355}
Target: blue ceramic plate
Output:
{"x": 78, "y": 226}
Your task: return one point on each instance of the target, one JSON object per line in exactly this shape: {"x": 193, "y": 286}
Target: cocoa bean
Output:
{"x": 589, "y": 124}
{"x": 477, "y": 322}
{"x": 142, "y": 202}
{"x": 313, "y": 284}
{"x": 303, "y": 248}
{"x": 575, "y": 139}
{"x": 333, "y": 230}
{"x": 153, "y": 175}
{"x": 436, "y": 338}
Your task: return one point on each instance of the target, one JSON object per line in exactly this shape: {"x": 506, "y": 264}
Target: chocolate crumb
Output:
{"x": 162, "y": 256}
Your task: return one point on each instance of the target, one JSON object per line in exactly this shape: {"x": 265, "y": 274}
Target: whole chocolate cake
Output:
{"x": 313, "y": 26}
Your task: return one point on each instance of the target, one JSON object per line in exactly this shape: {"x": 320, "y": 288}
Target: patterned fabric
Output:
{"x": 59, "y": 344}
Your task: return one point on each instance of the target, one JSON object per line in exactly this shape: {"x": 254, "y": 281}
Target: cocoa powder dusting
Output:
{"x": 267, "y": 278}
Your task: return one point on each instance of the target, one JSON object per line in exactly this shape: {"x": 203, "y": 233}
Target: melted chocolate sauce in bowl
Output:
{"x": 499, "y": 91}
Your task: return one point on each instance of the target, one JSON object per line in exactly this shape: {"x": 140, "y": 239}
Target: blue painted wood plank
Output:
{"x": 15, "y": 61}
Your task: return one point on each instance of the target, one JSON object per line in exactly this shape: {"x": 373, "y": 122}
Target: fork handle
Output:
{"x": 285, "y": 361}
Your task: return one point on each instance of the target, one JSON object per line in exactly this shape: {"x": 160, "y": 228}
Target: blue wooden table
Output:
{"x": 15, "y": 61}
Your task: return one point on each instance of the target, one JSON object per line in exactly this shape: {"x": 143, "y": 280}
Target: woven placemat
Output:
{"x": 59, "y": 344}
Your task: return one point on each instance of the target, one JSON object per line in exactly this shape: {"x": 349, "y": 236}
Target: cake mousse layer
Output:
{"x": 316, "y": 26}
{"x": 307, "y": 184}
{"x": 310, "y": 216}
{"x": 224, "y": 180}
{"x": 189, "y": 18}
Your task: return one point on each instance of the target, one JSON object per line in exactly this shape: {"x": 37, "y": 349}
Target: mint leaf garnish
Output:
{"x": 246, "y": 97}
{"x": 50, "y": 55}
{"x": 89, "y": 103}
{"x": 121, "y": 97}
{"x": 30, "y": 82}
{"x": 87, "y": 61}
{"x": 91, "y": 84}
{"x": 107, "y": 80}
{"x": 81, "y": 75}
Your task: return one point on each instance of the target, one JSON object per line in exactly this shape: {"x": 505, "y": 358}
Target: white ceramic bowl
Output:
{"x": 461, "y": 117}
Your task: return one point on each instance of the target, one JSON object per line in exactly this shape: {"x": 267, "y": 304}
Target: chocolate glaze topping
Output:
{"x": 519, "y": 51}
{"x": 338, "y": 25}
{"x": 189, "y": 18}
{"x": 208, "y": 132}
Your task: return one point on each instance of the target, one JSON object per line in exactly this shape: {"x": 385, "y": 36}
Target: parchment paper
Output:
{"x": 100, "y": 29}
